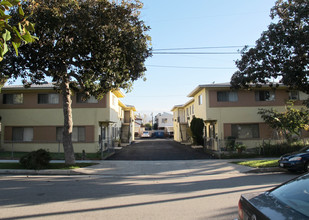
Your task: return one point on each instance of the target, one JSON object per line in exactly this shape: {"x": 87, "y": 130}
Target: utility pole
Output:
{"x": 152, "y": 121}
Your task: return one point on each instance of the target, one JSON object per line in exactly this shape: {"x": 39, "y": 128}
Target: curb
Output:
{"x": 41, "y": 172}
{"x": 266, "y": 170}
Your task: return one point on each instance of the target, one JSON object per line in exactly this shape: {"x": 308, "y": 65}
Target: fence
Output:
{"x": 103, "y": 147}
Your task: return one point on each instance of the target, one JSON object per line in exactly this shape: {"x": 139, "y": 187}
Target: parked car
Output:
{"x": 290, "y": 201}
{"x": 146, "y": 134}
{"x": 298, "y": 161}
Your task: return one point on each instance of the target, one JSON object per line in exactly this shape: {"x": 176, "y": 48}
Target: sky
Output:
{"x": 221, "y": 26}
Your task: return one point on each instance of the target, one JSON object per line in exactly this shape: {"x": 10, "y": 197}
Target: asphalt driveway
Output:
{"x": 158, "y": 149}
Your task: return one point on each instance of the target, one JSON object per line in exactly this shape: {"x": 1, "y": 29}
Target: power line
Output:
{"x": 191, "y": 67}
{"x": 201, "y": 48}
{"x": 196, "y": 53}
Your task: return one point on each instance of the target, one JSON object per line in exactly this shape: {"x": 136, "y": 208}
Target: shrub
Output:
{"x": 279, "y": 149}
{"x": 197, "y": 126}
{"x": 230, "y": 143}
{"x": 36, "y": 160}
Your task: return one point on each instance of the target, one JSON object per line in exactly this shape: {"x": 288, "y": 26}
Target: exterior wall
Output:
{"x": 178, "y": 119}
{"x": 247, "y": 99}
{"x": 200, "y": 108}
{"x": 221, "y": 115}
{"x": 169, "y": 120}
{"x": 45, "y": 118}
{"x": 181, "y": 121}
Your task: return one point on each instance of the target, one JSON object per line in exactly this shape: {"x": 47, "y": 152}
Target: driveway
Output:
{"x": 159, "y": 149}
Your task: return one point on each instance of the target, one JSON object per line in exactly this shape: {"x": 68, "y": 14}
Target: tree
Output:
{"x": 17, "y": 33}
{"x": 281, "y": 52}
{"x": 90, "y": 47}
{"x": 148, "y": 126}
{"x": 290, "y": 122}
{"x": 196, "y": 127}
{"x": 155, "y": 126}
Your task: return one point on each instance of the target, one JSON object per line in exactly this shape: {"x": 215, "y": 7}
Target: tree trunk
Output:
{"x": 68, "y": 122}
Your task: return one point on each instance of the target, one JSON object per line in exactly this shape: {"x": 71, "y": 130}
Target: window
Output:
{"x": 192, "y": 109}
{"x": 164, "y": 120}
{"x": 245, "y": 131}
{"x": 80, "y": 98}
{"x": 78, "y": 134}
{"x": 48, "y": 98}
{"x": 227, "y": 96}
{"x": 200, "y": 99}
{"x": 13, "y": 98}
{"x": 21, "y": 134}
{"x": 293, "y": 95}
{"x": 264, "y": 96}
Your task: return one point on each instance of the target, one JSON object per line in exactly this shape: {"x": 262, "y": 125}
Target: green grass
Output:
{"x": 58, "y": 166}
{"x": 55, "y": 156}
{"x": 259, "y": 163}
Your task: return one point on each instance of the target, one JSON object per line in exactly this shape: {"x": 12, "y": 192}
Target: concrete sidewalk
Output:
{"x": 128, "y": 168}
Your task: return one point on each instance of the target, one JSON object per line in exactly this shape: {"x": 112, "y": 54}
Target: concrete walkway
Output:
{"x": 128, "y": 168}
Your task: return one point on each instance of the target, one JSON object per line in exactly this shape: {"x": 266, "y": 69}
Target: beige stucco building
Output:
{"x": 228, "y": 112}
{"x": 32, "y": 118}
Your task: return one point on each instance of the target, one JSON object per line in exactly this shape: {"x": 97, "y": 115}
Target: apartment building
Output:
{"x": 32, "y": 118}
{"x": 228, "y": 112}
{"x": 182, "y": 116}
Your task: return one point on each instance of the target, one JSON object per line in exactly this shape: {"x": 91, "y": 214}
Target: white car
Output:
{"x": 146, "y": 134}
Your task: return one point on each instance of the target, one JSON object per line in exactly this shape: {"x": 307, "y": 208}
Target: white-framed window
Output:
{"x": 245, "y": 131}
{"x": 22, "y": 134}
{"x": 192, "y": 109}
{"x": 13, "y": 98}
{"x": 80, "y": 98}
{"x": 227, "y": 96}
{"x": 265, "y": 95}
{"x": 49, "y": 98}
{"x": 164, "y": 120}
{"x": 294, "y": 95}
{"x": 200, "y": 99}
{"x": 78, "y": 135}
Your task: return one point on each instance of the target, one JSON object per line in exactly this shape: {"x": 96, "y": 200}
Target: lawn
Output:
{"x": 259, "y": 163}
{"x": 6, "y": 155}
{"x": 58, "y": 166}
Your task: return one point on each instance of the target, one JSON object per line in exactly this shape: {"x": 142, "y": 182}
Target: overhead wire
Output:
{"x": 201, "y": 48}
{"x": 194, "y": 53}
{"x": 191, "y": 67}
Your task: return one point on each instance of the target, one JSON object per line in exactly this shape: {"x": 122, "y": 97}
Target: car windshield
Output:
{"x": 304, "y": 150}
{"x": 295, "y": 194}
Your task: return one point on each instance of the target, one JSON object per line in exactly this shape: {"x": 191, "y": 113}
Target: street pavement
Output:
{"x": 130, "y": 190}
{"x": 133, "y": 189}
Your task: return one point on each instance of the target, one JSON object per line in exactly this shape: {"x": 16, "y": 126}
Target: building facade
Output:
{"x": 32, "y": 118}
{"x": 234, "y": 113}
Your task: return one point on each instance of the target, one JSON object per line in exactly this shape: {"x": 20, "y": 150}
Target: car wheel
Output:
{"x": 306, "y": 168}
